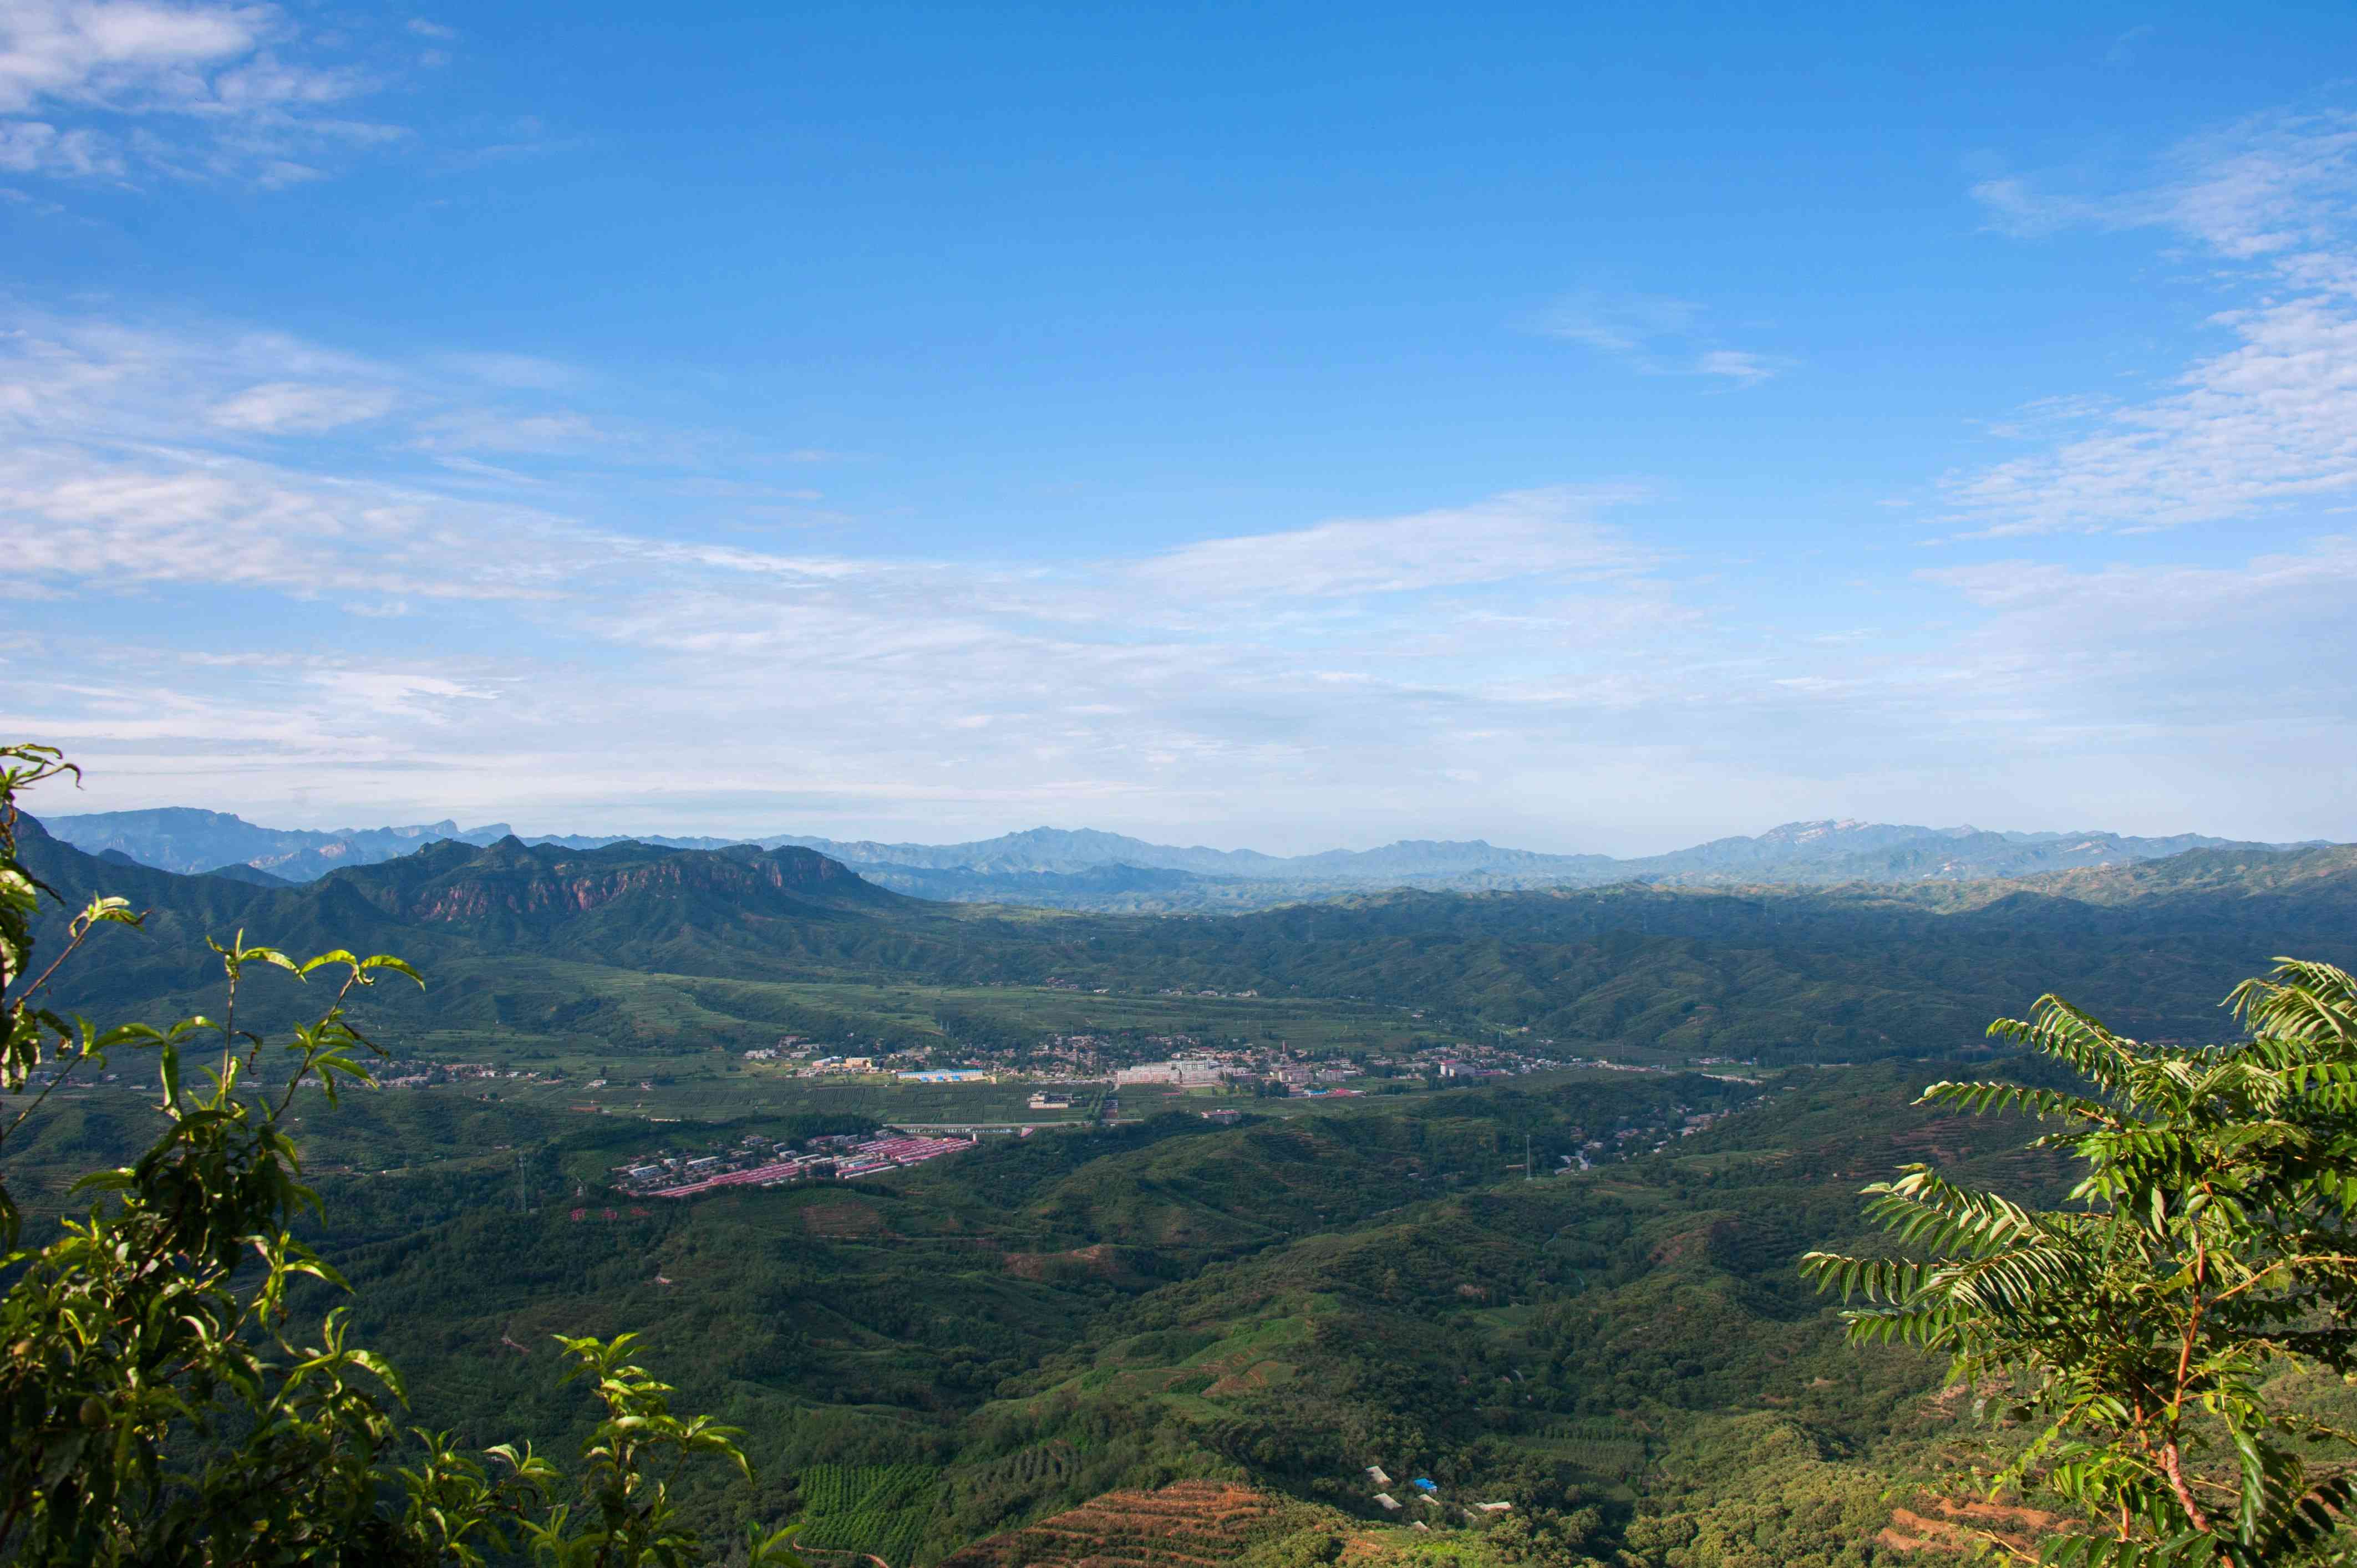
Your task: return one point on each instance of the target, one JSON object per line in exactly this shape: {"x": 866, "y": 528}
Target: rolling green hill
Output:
{"x": 1015, "y": 1330}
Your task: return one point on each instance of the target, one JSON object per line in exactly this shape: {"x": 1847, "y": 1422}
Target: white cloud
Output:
{"x": 2272, "y": 421}
{"x": 1655, "y": 334}
{"x": 2269, "y": 422}
{"x": 1734, "y": 364}
{"x": 1623, "y": 324}
{"x": 115, "y": 89}
{"x": 34, "y": 147}
{"x": 2261, "y": 186}
{"x": 119, "y": 50}
{"x": 487, "y": 430}
{"x": 2018, "y": 207}
{"x": 276, "y": 408}
{"x": 1528, "y": 534}
{"x": 1113, "y": 679}
{"x": 408, "y": 693}
{"x": 2125, "y": 48}
{"x": 2191, "y": 665}
{"x": 1568, "y": 649}
{"x": 181, "y": 516}
{"x": 528, "y": 371}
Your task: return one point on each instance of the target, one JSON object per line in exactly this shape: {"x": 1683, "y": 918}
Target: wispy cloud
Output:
{"x": 1542, "y": 661}
{"x": 2270, "y": 204}
{"x": 279, "y": 407}
{"x": 1735, "y": 364}
{"x": 2165, "y": 656}
{"x": 2266, "y": 186}
{"x": 1655, "y": 334}
{"x": 1628, "y": 325}
{"x": 2272, "y": 421}
{"x": 2125, "y": 46}
{"x": 122, "y": 90}
{"x": 1527, "y": 535}
{"x": 522, "y": 371}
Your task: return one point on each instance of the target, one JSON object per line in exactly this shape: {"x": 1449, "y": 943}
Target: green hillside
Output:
{"x": 1284, "y": 1301}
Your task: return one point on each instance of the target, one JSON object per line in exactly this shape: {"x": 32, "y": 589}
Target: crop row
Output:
{"x": 877, "y": 1508}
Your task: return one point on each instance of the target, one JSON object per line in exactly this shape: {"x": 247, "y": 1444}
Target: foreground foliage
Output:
{"x": 160, "y": 1401}
{"x": 2207, "y": 1251}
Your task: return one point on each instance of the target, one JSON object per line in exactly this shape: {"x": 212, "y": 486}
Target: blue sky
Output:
{"x": 1590, "y": 428}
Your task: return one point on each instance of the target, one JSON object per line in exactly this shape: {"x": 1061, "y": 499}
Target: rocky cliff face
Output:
{"x": 512, "y": 882}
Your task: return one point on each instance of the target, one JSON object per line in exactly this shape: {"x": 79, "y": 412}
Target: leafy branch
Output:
{"x": 157, "y": 1403}
{"x": 2209, "y": 1246}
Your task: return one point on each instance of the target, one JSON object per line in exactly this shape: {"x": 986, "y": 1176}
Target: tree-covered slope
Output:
{"x": 1281, "y": 1303}
{"x": 515, "y": 932}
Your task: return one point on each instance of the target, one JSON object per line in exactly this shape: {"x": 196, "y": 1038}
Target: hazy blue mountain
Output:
{"x": 1107, "y": 889}
{"x": 1063, "y": 850}
{"x": 183, "y": 839}
{"x": 1981, "y": 856}
{"x": 1088, "y": 869}
{"x": 1418, "y": 858}
{"x": 1793, "y": 845}
{"x": 1055, "y": 868}
{"x": 604, "y": 840}
{"x": 1044, "y": 849}
{"x": 1830, "y": 852}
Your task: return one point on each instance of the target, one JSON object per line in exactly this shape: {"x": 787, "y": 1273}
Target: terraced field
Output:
{"x": 1601, "y": 1447}
{"x": 1189, "y": 1524}
{"x": 874, "y": 1509}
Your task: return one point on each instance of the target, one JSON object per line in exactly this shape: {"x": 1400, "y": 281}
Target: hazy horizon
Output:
{"x": 1172, "y": 837}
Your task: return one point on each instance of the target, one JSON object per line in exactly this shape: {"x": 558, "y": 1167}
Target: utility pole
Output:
{"x": 1526, "y": 1157}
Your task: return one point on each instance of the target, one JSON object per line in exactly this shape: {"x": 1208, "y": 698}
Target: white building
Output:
{"x": 1183, "y": 1072}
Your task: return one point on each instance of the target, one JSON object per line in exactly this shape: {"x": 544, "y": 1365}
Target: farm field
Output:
{"x": 682, "y": 1015}
{"x": 1597, "y": 1446}
{"x": 879, "y": 1510}
{"x": 1190, "y": 1524}
{"x": 477, "y": 1130}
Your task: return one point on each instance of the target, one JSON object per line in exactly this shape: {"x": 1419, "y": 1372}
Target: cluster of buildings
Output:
{"x": 757, "y": 1161}
{"x": 1175, "y": 1060}
{"x": 423, "y": 1075}
{"x": 1423, "y": 1490}
{"x": 803, "y": 1058}
{"x": 1181, "y": 1073}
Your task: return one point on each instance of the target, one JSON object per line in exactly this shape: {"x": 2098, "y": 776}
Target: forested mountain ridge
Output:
{"x": 1786, "y": 974}
{"x": 508, "y": 886}
{"x": 1087, "y": 869}
{"x": 184, "y": 839}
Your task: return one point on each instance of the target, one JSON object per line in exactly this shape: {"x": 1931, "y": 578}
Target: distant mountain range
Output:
{"x": 642, "y": 946}
{"x": 1087, "y": 869}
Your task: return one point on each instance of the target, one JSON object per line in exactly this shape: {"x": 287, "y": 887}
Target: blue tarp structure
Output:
{"x": 1426, "y": 1482}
